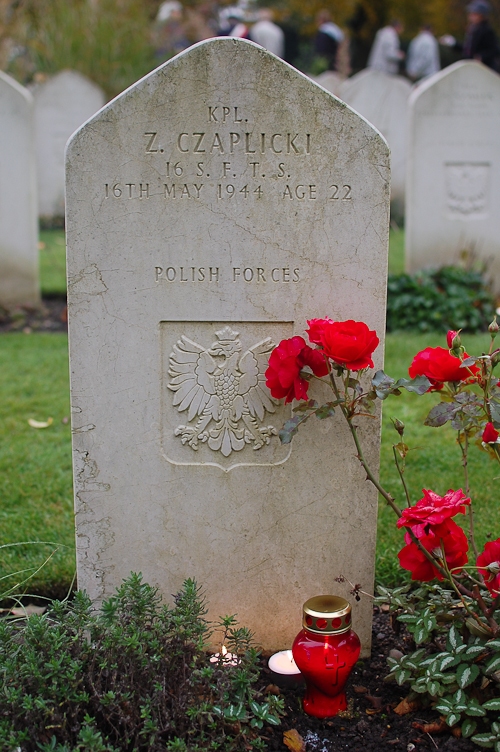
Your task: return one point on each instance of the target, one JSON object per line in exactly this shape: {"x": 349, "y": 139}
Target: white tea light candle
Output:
{"x": 284, "y": 669}
{"x": 227, "y": 659}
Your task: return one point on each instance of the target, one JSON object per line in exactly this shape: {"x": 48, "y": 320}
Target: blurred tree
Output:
{"x": 106, "y": 40}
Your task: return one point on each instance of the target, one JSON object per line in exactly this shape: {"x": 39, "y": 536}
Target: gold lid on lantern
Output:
{"x": 326, "y": 615}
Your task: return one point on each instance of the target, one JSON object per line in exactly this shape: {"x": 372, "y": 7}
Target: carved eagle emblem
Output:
{"x": 223, "y": 392}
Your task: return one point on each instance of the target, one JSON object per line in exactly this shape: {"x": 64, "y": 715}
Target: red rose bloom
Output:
{"x": 489, "y": 561}
{"x": 348, "y": 343}
{"x": 455, "y": 545}
{"x": 439, "y": 366}
{"x": 433, "y": 509}
{"x": 315, "y": 330}
{"x": 490, "y": 434}
{"x": 285, "y": 363}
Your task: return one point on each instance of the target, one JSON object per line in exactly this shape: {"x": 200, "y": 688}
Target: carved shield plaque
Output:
{"x": 216, "y": 408}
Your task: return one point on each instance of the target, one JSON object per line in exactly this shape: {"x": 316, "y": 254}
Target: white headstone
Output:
{"x": 205, "y": 222}
{"x": 19, "y": 283}
{"x": 383, "y": 100}
{"x": 331, "y": 81}
{"x": 454, "y": 169}
{"x": 62, "y": 105}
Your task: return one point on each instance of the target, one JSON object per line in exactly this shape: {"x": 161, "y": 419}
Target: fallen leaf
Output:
{"x": 40, "y": 423}
{"x": 437, "y": 727}
{"x": 376, "y": 702}
{"x": 272, "y": 689}
{"x": 293, "y": 740}
{"x": 41, "y": 246}
{"x": 359, "y": 689}
{"x": 28, "y": 610}
{"x": 406, "y": 706}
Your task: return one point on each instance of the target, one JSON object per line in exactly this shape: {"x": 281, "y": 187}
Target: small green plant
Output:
{"x": 436, "y": 299}
{"x": 134, "y": 675}
{"x": 456, "y": 666}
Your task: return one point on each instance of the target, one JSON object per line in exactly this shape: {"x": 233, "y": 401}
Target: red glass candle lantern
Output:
{"x": 325, "y": 651}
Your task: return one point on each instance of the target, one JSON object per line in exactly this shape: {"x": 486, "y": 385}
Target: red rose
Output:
{"x": 285, "y": 364}
{"x": 439, "y": 366}
{"x": 489, "y": 563}
{"x": 448, "y": 534}
{"x": 315, "y": 330}
{"x": 433, "y": 509}
{"x": 348, "y": 343}
{"x": 490, "y": 434}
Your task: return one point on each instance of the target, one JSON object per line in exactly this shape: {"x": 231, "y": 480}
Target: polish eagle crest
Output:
{"x": 223, "y": 392}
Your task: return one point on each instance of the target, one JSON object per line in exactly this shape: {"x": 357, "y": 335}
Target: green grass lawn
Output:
{"x": 35, "y": 464}
{"x": 52, "y": 257}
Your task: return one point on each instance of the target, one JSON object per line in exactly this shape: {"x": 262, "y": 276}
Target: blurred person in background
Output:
{"x": 232, "y": 23}
{"x": 423, "y": 55}
{"x": 328, "y": 39}
{"x": 169, "y": 34}
{"x": 385, "y": 54}
{"x": 481, "y": 42}
{"x": 268, "y": 34}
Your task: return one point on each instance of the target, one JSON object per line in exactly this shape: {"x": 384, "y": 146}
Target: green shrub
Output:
{"x": 439, "y": 299}
{"x": 132, "y": 676}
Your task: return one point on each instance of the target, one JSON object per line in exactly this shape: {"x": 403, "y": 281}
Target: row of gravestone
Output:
{"x": 205, "y": 222}
{"x": 34, "y": 129}
{"x": 457, "y": 108}
{"x": 447, "y": 125}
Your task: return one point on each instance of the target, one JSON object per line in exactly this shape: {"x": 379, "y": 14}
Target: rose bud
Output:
{"x": 493, "y": 328}
{"x": 398, "y": 425}
{"x": 490, "y": 434}
{"x": 495, "y": 358}
{"x": 450, "y": 339}
{"x": 455, "y": 343}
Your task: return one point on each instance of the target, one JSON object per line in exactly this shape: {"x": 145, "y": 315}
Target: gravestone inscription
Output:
{"x": 206, "y": 222}
{"x": 19, "y": 282}
{"x": 454, "y": 170}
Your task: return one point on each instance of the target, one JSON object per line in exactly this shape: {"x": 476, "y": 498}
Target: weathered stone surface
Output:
{"x": 383, "y": 101}
{"x": 206, "y": 221}
{"x": 454, "y": 169}
{"x": 62, "y": 105}
{"x": 19, "y": 284}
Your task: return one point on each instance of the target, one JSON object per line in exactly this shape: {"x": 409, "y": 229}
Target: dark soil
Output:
{"x": 370, "y": 724}
{"x": 52, "y": 316}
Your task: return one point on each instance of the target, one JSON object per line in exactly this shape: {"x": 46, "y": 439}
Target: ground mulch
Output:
{"x": 51, "y": 316}
{"x": 370, "y": 724}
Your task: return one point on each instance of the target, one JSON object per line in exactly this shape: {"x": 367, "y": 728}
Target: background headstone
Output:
{"x": 206, "y": 222}
{"x": 62, "y": 104}
{"x": 330, "y": 80}
{"x": 383, "y": 101}
{"x": 19, "y": 283}
{"x": 454, "y": 169}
